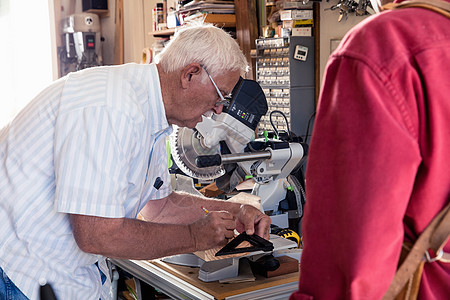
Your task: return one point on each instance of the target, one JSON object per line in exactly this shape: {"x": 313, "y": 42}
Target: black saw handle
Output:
{"x": 204, "y": 161}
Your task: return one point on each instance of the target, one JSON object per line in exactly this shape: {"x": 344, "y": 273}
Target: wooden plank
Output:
{"x": 223, "y": 290}
{"x": 246, "y": 198}
{"x": 104, "y": 13}
{"x": 247, "y": 30}
{"x": 163, "y": 33}
{"x": 221, "y": 20}
{"x": 210, "y": 255}
{"x": 211, "y": 190}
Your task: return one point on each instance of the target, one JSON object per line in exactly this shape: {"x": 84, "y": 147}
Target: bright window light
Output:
{"x": 25, "y": 54}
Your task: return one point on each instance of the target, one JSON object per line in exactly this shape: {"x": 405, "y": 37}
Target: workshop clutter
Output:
{"x": 287, "y": 234}
{"x": 286, "y": 18}
{"x": 168, "y": 16}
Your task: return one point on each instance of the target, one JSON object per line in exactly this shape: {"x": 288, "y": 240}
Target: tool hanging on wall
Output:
{"x": 82, "y": 42}
{"x": 346, "y": 7}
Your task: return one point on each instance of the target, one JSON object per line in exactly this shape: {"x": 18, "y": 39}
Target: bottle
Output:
{"x": 159, "y": 14}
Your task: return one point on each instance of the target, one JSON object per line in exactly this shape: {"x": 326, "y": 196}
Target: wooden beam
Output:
{"x": 247, "y": 30}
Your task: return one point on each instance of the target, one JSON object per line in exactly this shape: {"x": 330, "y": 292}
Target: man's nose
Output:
{"x": 218, "y": 109}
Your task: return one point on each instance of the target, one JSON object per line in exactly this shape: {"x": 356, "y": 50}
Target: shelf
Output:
{"x": 163, "y": 33}
{"x": 100, "y": 12}
{"x": 220, "y": 20}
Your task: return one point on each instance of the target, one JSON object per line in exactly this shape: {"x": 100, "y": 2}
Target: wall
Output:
{"x": 138, "y": 25}
{"x": 332, "y": 30}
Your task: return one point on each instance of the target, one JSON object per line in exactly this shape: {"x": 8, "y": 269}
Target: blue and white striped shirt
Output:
{"x": 92, "y": 143}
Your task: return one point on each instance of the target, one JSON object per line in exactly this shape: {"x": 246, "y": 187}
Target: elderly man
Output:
{"x": 378, "y": 167}
{"x": 89, "y": 153}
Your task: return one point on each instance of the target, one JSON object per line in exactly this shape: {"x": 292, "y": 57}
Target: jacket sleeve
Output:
{"x": 360, "y": 172}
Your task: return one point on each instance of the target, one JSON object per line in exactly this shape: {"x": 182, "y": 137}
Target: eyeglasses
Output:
{"x": 225, "y": 101}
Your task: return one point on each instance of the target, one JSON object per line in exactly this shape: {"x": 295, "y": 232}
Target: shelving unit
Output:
{"x": 163, "y": 33}
{"x": 288, "y": 83}
{"x": 220, "y": 20}
{"x": 243, "y": 22}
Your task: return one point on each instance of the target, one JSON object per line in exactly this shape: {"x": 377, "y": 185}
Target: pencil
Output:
{"x": 205, "y": 210}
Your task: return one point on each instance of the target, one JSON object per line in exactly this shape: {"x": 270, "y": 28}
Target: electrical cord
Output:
{"x": 285, "y": 120}
{"x": 309, "y": 124}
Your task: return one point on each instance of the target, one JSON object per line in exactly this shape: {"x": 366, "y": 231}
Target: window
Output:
{"x": 25, "y": 53}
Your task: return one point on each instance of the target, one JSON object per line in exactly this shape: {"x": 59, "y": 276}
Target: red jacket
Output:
{"x": 379, "y": 163}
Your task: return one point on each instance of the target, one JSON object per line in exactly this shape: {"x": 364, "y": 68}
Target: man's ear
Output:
{"x": 189, "y": 71}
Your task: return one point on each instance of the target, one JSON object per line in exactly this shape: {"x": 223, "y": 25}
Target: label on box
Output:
{"x": 288, "y": 23}
{"x": 302, "y": 14}
{"x": 301, "y": 31}
{"x": 303, "y": 23}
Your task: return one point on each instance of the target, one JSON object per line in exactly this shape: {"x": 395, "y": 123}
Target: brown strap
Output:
{"x": 438, "y": 6}
{"x": 434, "y": 237}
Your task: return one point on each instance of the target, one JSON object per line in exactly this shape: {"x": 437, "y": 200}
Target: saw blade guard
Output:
{"x": 186, "y": 145}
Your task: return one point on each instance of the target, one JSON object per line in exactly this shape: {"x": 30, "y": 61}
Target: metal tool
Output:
{"x": 82, "y": 42}
{"x": 186, "y": 146}
{"x": 346, "y": 7}
{"x": 258, "y": 244}
{"x": 219, "y": 142}
{"x": 229, "y": 267}
{"x": 229, "y": 138}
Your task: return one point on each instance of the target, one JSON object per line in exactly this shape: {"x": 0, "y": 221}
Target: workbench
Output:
{"x": 181, "y": 282}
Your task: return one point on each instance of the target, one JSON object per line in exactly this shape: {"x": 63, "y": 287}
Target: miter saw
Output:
{"x": 223, "y": 147}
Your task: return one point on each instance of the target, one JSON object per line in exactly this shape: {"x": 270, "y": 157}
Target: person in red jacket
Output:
{"x": 378, "y": 169}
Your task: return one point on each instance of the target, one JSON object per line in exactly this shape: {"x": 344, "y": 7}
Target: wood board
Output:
{"x": 223, "y": 290}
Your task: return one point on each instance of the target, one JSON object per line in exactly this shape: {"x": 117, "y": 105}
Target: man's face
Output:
{"x": 201, "y": 97}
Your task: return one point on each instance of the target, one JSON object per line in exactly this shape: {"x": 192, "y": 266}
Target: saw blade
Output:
{"x": 185, "y": 146}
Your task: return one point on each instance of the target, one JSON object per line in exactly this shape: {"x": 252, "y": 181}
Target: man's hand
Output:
{"x": 252, "y": 220}
{"x": 212, "y": 230}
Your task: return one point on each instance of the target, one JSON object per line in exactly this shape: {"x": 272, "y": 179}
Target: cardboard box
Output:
{"x": 296, "y": 14}
{"x": 298, "y": 23}
{"x": 303, "y": 23}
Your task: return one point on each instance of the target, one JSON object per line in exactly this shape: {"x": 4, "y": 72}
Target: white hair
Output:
{"x": 205, "y": 44}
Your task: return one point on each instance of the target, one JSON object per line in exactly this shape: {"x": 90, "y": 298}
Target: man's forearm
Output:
{"x": 184, "y": 208}
{"x": 129, "y": 238}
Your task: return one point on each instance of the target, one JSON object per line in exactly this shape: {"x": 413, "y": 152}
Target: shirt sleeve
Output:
{"x": 93, "y": 149}
{"x": 361, "y": 170}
